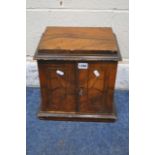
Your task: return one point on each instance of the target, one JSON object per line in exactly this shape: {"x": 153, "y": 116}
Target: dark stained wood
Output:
{"x": 60, "y": 90}
{"x": 69, "y": 92}
{"x": 78, "y": 57}
{"x": 78, "y": 43}
{"x": 75, "y": 116}
{"x": 93, "y": 88}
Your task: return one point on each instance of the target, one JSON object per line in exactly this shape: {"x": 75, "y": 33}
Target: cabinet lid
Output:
{"x": 77, "y": 42}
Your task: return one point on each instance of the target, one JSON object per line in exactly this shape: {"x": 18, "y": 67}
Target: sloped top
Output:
{"x": 77, "y": 39}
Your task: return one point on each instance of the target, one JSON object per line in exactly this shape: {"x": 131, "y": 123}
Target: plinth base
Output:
{"x": 76, "y": 116}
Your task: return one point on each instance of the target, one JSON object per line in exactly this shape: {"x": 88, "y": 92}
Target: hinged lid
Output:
{"x": 77, "y": 43}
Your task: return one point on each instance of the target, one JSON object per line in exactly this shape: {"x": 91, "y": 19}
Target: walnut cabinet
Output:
{"x": 77, "y": 70}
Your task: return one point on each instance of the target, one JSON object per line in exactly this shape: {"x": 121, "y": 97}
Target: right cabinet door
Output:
{"x": 96, "y": 84}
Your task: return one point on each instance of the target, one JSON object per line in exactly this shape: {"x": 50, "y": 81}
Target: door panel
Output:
{"x": 68, "y": 88}
{"x": 61, "y": 87}
{"x": 92, "y": 88}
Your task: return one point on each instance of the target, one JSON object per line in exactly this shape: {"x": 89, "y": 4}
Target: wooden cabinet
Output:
{"x": 77, "y": 70}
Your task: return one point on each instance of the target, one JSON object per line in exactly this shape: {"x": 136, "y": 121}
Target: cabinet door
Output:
{"x": 60, "y": 86}
{"x": 92, "y": 88}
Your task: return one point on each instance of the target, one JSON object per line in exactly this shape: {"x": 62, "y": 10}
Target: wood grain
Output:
{"x": 75, "y": 39}
{"x": 72, "y": 93}
{"x": 78, "y": 90}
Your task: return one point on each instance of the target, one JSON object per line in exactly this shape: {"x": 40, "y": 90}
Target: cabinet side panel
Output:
{"x": 112, "y": 69}
{"x": 111, "y": 78}
{"x": 43, "y": 86}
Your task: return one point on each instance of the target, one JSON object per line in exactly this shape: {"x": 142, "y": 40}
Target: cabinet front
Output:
{"x": 85, "y": 87}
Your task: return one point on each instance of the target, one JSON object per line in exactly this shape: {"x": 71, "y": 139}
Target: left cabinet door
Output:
{"x": 57, "y": 81}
